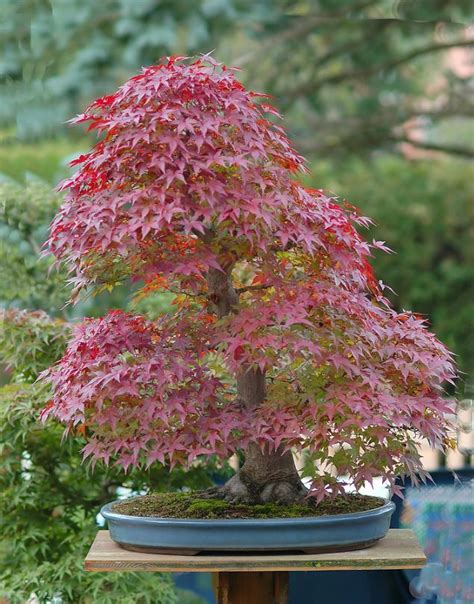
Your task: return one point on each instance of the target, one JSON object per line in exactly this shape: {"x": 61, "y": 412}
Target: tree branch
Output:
{"x": 248, "y": 288}
{"x": 350, "y": 74}
{"x": 442, "y": 148}
{"x": 304, "y": 25}
{"x": 221, "y": 291}
{"x": 308, "y": 22}
{"x": 390, "y": 117}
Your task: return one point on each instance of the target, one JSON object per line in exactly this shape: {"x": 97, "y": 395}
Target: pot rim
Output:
{"x": 109, "y": 514}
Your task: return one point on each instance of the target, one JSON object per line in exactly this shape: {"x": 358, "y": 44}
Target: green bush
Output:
{"x": 49, "y": 500}
{"x": 25, "y": 213}
{"x": 48, "y": 503}
{"x": 47, "y": 160}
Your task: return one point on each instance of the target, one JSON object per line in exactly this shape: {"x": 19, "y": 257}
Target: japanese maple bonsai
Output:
{"x": 280, "y": 338}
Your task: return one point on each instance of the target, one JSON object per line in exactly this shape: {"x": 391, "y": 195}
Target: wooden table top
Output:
{"x": 398, "y": 550}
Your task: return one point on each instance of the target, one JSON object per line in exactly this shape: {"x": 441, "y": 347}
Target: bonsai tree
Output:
{"x": 280, "y": 339}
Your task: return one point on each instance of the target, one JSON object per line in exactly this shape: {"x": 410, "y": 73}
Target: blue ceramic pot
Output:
{"x": 339, "y": 532}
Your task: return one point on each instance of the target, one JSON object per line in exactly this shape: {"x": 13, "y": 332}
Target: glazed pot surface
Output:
{"x": 338, "y": 532}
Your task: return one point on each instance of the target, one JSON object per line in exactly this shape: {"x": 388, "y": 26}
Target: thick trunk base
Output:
{"x": 241, "y": 489}
{"x": 264, "y": 478}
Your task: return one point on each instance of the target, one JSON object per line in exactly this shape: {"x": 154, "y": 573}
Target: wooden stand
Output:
{"x": 244, "y": 588}
{"x": 258, "y": 579}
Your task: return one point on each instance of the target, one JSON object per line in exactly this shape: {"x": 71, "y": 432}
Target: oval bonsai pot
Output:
{"x": 311, "y": 534}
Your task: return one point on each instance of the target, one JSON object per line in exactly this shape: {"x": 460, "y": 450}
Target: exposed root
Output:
{"x": 240, "y": 489}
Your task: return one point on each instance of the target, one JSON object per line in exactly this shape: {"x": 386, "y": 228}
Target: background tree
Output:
{"x": 358, "y": 72}
{"x": 360, "y": 75}
{"x": 59, "y": 55}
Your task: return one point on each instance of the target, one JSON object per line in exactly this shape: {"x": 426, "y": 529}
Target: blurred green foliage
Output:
{"x": 46, "y": 160}
{"x": 57, "y": 55}
{"x": 351, "y": 75}
{"x": 25, "y": 213}
{"x": 354, "y": 71}
{"x": 31, "y": 342}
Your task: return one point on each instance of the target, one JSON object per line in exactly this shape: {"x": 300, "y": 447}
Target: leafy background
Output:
{"x": 375, "y": 93}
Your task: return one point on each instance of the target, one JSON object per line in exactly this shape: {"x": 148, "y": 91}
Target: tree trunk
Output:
{"x": 269, "y": 476}
{"x": 265, "y": 477}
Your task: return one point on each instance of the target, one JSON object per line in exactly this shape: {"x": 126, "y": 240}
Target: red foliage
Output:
{"x": 190, "y": 175}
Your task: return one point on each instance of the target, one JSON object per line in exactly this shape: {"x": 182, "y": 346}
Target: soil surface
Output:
{"x": 190, "y": 505}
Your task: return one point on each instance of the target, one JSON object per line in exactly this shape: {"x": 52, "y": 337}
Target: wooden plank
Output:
{"x": 400, "y": 549}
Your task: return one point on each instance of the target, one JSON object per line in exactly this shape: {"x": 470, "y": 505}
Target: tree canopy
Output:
{"x": 282, "y": 336}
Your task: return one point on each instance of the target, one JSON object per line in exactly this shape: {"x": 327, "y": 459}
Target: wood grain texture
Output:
{"x": 399, "y": 549}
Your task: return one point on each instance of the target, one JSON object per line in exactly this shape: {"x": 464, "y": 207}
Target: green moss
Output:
{"x": 204, "y": 508}
{"x": 191, "y": 505}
